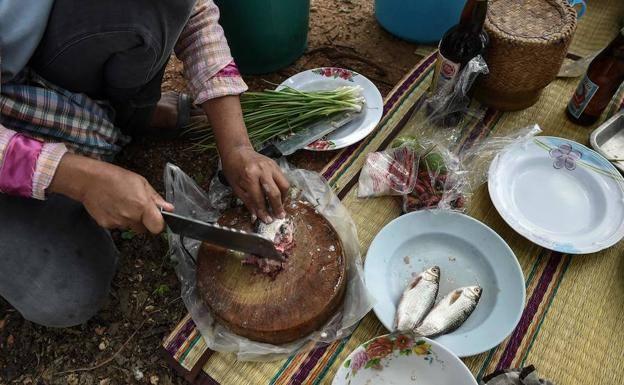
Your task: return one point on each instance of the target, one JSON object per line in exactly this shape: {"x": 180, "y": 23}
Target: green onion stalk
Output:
{"x": 271, "y": 114}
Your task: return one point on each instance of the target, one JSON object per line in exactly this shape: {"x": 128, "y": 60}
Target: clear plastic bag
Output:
{"x": 389, "y": 172}
{"x": 575, "y": 68}
{"x": 425, "y": 174}
{"x": 476, "y": 160}
{"x": 443, "y": 115}
{"x": 427, "y": 167}
{"x": 446, "y": 108}
{"x": 433, "y": 177}
{"x": 440, "y": 181}
{"x": 420, "y": 166}
{"x": 189, "y": 199}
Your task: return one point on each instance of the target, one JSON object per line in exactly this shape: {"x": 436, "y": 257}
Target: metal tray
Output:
{"x": 608, "y": 139}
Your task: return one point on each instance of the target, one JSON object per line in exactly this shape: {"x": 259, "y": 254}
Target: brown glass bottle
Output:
{"x": 459, "y": 44}
{"x": 604, "y": 76}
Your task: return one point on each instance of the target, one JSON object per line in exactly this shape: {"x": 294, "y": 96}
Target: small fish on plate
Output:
{"x": 451, "y": 312}
{"x": 417, "y": 299}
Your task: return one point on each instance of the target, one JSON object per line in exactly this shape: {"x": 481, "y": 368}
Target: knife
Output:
{"x": 223, "y": 236}
{"x": 306, "y": 136}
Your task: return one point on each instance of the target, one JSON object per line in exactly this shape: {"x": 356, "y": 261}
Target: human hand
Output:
{"x": 254, "y": 178}
{"x": 113, "y": 196}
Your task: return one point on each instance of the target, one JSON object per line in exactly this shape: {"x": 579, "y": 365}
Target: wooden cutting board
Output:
{"x": 298, "y": 301}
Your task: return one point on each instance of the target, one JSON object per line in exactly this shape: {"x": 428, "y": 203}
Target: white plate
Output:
{"x": 559, "y": 194}
{"x": 468, "y": 252}
{"x": 329, "y": 78}
{"x": 405, "y": 360}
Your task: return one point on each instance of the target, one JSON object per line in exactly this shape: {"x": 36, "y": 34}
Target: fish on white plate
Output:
{"x": 417, "y": 299}
{"x": 451, "y": 312}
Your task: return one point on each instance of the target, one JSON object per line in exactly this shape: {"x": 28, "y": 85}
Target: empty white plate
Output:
{"x": 329, "y": 78}
{"x": 559, "y": 194}
{"x": 468, "y": 253}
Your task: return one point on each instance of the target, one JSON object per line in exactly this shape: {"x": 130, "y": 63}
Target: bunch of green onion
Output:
{"x": 270, "y": 114}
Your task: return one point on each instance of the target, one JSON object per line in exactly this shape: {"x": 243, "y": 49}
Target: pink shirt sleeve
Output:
{"x": 27, "y": 165}
{"x": 208, "y": 64}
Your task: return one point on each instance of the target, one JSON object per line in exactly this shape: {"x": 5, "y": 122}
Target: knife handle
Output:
{"x": 271, "y": 151}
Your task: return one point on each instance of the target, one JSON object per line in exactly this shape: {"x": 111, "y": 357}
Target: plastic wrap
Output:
{"x": 444, "y": 114}
{"x": 389, "y": 172}
{"x": 191, "y": 200}
{"x": 575, "y": 68}
{"x": 424, "y": 173}
{"x": 476, "y": 160}
{"x": 447, "y": 109}
{"x": 427, "y": 175}
{"x": 419, "y": 166}
{"x": 440, "y": 182}
{"x": 428, "y": 167}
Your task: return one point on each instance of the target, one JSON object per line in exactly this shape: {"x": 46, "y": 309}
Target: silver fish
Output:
{"x": 280, "y": 231}
{"x": 452, "y": 311}
{"x": 417, "y": 299}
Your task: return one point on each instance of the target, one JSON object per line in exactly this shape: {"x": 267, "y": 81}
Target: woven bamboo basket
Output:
{"x": 528, "y": 41}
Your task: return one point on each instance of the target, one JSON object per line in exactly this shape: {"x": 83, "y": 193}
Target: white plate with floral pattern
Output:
{"x": 559, "y": 194}
{"x": 402, "y": 359}
{"x": 329, "y": 78}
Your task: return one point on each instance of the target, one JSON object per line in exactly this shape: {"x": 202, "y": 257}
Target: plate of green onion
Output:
{"x": 339, "y": 90}
{"x": 301, "y": 101}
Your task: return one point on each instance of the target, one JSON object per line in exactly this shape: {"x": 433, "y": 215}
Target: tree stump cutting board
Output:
{"x": 298, "y": 301}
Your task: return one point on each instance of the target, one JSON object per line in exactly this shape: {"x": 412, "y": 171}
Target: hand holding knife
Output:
{"x": 223, "y": 236}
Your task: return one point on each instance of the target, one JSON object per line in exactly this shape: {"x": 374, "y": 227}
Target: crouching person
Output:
{"x": 79, "y": 79}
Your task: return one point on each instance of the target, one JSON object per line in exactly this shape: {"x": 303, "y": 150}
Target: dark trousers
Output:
{"x": 56, "y": 264}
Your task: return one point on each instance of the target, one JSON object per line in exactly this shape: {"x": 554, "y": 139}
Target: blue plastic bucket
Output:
{"x": 420, "y": 21}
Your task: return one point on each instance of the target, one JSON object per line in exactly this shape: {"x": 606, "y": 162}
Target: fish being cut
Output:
{"x": 417, "y": 299}
{"x": 452, "y": 311}
{"x": 281, "y": 232}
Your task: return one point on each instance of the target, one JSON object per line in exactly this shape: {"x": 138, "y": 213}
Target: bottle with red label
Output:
{"x": 604, "y": 76}
{"x": 459, "y": 44}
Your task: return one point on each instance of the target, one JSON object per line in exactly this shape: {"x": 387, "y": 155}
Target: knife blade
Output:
{"x": 223, "y": 236}
{"x": 306, "y": 136}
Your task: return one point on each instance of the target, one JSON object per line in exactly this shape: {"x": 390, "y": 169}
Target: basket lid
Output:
{"x": 531, "y": 20}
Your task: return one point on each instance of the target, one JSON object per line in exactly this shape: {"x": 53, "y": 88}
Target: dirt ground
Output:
{"x": 120, "y": 344}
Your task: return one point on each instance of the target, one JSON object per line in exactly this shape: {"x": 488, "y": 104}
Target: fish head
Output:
{"x": 276, "y": 229}
{"x": 473, "y": 292}
{"x": 280, "y": 232}
{"x": 432, "y": 274}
